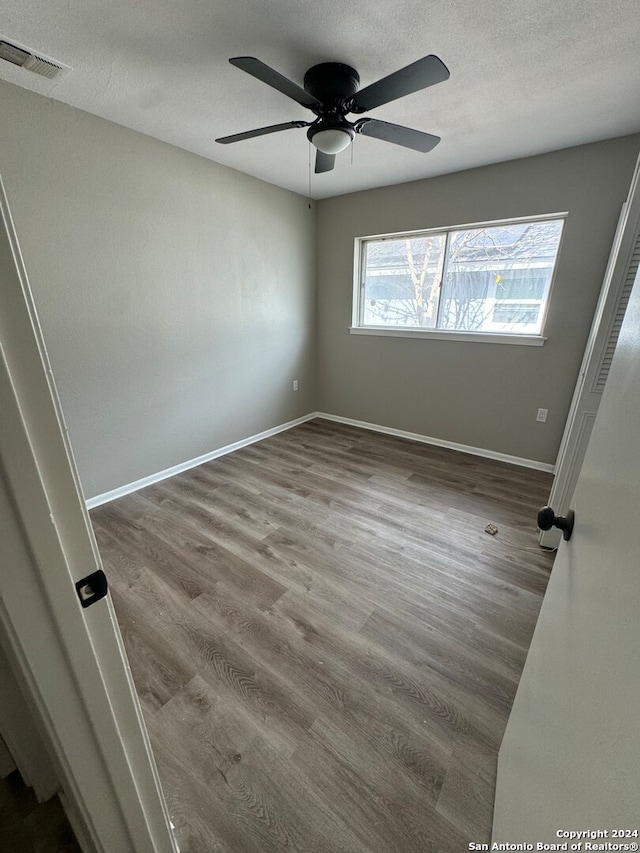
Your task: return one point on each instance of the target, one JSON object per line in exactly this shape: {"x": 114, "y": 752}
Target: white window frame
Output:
{"x": 519, "y": 339}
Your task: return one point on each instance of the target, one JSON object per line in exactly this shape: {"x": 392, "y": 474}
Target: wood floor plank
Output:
{"x": 466, "y": 798}
{"x": 305, "y": 650}
{"x": 325, "y": 640}
{"x": 158, "y": 670}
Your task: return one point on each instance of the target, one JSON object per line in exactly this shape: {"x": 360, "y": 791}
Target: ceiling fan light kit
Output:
{"x": 331, "y": 140}
{"x": 331, "y": 93}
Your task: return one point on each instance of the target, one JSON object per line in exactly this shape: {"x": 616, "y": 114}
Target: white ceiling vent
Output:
{"x": 25, "y": 58}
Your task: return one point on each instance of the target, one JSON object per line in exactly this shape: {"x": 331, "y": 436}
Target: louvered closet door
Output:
{"x": 616, "y": 289}
{"x": 616, "y": 325}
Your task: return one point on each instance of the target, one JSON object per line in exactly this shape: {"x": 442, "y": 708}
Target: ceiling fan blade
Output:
{"x": 398, "y": 134}
{"x": 261, "y": 131}
{"x": 274, "y": 79}
{"x": 419, "y": 75}
{"x": 324, "y": 162}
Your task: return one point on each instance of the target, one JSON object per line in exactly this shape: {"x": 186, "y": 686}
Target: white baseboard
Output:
{"x": 439, "y": 442}
{"x": 121, "y": 491}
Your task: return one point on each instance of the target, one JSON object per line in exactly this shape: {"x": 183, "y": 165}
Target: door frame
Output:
{"x": 69, "y": 661}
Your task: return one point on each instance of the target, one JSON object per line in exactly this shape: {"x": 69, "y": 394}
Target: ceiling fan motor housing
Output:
{"x": 331, "y": 82}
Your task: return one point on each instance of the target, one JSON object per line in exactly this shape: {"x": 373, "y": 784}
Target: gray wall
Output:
{"x": 176, "y": 296}
{"x": 483, "y": 395}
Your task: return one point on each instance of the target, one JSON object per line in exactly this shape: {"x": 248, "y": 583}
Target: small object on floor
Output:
{"x": 491, "y": 529}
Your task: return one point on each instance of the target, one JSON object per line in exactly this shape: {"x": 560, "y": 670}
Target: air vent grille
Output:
{"x": 25, "y": 58}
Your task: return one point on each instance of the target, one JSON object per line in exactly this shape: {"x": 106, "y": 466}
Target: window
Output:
{"x": 489, "y": 279}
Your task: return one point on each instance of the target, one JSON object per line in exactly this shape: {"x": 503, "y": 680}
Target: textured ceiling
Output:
{"x": 527, "y": 76}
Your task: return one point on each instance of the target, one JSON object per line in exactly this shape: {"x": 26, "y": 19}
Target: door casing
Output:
{"x": 70, "y": 661}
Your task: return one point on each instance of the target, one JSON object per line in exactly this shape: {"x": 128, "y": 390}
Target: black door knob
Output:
{"x": 548, "y": 519}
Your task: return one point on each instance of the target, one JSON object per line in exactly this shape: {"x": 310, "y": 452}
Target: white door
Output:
{"x": 570, "y": 758}
{"x": 624, "y": 261}
{"x": 69, "y": 660}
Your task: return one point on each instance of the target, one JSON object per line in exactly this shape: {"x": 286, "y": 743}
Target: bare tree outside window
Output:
{"x": 403, "y": 280}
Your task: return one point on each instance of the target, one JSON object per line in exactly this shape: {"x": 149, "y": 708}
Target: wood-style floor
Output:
{"x": 325, "y": 641}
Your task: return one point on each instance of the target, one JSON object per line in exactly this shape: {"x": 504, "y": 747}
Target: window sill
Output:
{"x": 433, "y": 334}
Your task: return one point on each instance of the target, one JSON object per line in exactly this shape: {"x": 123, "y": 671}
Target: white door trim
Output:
{"x": 70, "y": 660}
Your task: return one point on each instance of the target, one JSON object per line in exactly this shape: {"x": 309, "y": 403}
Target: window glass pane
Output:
{"x": 401, "y": 281}
{"x": 497, "y": 278}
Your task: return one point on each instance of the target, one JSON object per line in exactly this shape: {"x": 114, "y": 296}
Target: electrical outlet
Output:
{"x": 541, "y": 417}
{"x": 295, "y": 384}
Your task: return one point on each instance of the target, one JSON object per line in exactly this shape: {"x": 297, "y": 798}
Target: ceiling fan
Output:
{"x": 331, "y": 92}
